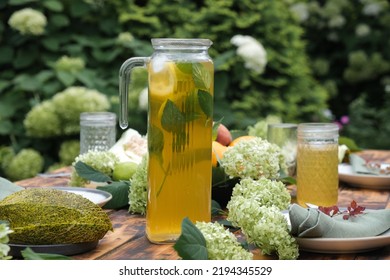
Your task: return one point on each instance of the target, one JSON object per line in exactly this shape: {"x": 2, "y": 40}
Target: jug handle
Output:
{"x": 124, "y": 82}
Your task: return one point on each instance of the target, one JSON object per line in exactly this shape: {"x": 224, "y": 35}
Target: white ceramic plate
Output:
{"x": 362, "y": 180}
{"x": 98, "y": 197}
{"x": 344, "y": 245}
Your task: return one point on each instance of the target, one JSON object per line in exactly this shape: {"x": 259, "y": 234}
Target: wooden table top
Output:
{"x": 128, "y": 242}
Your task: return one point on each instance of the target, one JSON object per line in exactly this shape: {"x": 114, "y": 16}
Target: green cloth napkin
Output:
{"x": 312, "y": 222}
{"x": 358, "y": 165}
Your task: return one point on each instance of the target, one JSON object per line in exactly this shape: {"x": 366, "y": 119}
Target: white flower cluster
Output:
{"x": 264, "y": 226}
{"x": 252, "y": 51}
{"x": 70, "y": 64}
{"x": 4, "y": 248}
{"x": 28, "y": 21}
{"x": 138, "y": 193}
{"x": 254, "y": 158}
{"x": 265, "y": 191}
{"x": 103, "y": 161}
{"x": 221, "y": 243}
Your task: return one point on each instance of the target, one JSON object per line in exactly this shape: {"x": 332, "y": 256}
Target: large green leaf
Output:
{"x": 29, "y": 254}
{"x": 87, "y": 172}
{"x": 172, "y": 118}
{"x": 120, "y": 194}
{"x": 66, "y": 78}
{"x": 53, "y": 5}
{"x": 206, "y": 102}
{"x": 191, "y": 244}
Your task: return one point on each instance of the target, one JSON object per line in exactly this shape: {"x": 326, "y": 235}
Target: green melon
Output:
{"x": 40, "y": 216}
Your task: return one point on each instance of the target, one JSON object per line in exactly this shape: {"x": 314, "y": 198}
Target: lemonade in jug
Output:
{"x": 180, "y": 119}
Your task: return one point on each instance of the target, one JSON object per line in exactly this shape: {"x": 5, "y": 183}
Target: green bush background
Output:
{"x": 314, "y": 62}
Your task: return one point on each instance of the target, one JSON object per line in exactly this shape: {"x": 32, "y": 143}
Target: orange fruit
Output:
{"x": 241, "y": 138}
{"x": 217, "y": 152}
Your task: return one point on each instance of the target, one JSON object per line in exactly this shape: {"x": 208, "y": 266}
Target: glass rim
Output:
{"x": 316, "y": 129}
{"x": 179, "y": 43}
{"x": 97, "y": 116}
{"x": 283, "y": 125}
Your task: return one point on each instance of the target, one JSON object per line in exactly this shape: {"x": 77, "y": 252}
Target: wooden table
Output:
{"x": 128, "y": 242}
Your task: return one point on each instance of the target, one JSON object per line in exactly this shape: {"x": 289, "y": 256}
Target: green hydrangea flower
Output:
{"x": 26, "y": 164}
{"x": 70, "y": 64}
{"x": 28, "y": 21}
{"x": 60, "y": 115}
{"x": 260, "y": 128}
{"x": 139, "y": 188}
{"x": 69, "y": 150}
{"x": 103, "y": 161}
{"x": 254, "y": 158}
{"x": 43, "y": 121}
{"x": 221, "y": 243}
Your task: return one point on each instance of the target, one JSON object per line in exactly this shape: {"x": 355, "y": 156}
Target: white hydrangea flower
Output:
{"x": 336, "y": 21}
{"x": 28, "y": 21}
{"x": 221, "y": 243}
{"x": 70, "y": 64}
{"x": 252, "y": 51}
{"x": 301, "y": 11}
{"x": 372, "y": 9}
{"x": 264, "y": 226}
{"x": 254, "y": 158}
{"x": 4, "y": 248}
{"x": 143, "y": 99}
{"x": 362, "y": 30}
{"x": 267, "y": 192}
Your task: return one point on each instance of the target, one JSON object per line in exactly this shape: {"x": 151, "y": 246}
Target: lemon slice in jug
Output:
{"x": 162, "y": 78}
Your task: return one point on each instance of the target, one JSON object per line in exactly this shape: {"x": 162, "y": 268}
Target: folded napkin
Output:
{"x": 314, "y": 223}
{"x": 359, "y": 166}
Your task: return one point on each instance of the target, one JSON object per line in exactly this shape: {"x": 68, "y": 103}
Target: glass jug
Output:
{"x": 180, "y": 119}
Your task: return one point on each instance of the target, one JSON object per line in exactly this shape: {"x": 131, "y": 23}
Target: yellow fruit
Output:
{"x": 241, "y": 138}
{"x": 162, "y": 78}
{"x": 217, "y": 152}
{"x": 124, "y": 170}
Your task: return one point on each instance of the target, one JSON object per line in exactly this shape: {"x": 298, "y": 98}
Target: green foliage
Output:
{"x": 349, "y": 46}
{"x": 84, "y": 43}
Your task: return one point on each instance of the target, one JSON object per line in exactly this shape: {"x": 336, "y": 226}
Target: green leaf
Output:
{"x": 191, "y": 244}
{"x": 6, "y": 54}
{"x": 29, "y": 254}
{"x": 53, "y": 5}
{"x": 155, "y": 140}
{"x": 120, "y": 194}
{"x": 20, "y": 2}
{"x": 350, "y": 143}
{"x": 87, "y": 172}
{"x": 186, "y": 68}
{"x": 51, "y": 44}
{"x": 202, "y": 77}
{"x": 172, "y": 118}
{"x": 6, "y": 127}
{"x": 66, "y": 78}
{"x": 59, "y": 21}
{"x": 206, "y": 102}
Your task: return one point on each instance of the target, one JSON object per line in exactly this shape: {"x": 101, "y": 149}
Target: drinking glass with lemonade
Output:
{"x": 317, "y": 164}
